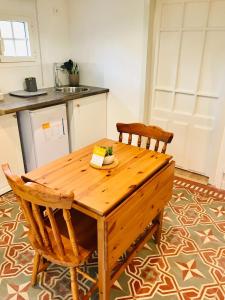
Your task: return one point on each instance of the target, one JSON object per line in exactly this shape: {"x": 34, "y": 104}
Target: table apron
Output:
{"x": 129, "y": 220}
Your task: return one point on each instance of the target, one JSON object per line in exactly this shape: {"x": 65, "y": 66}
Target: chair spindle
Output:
{"x": 164, "y": 148}
{"x": 40, "y": 222}
{"x": 32, "y": 222}
{"x": 156, "y": 145}
{"x": 55, "y": 231}
{"x": 67, "y": 218}
{"x": 130, "y": 139}
{"x": 121, "y": 137}
{"x": 139, "y": 141}
{"x": 148, "y": 143}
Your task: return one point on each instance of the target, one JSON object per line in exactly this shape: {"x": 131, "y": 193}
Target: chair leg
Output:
{"x": 74, "y": 285}
{"x": 44, "y": 263}
{"x": 159, "y": 220}
{"x": 37, "y": 259}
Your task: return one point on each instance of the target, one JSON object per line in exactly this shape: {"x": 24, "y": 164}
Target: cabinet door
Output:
{"x": 10, "y": 148}
{"x": 87, "y": 119}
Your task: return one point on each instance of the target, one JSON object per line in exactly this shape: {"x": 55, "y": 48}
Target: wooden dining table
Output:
{"x": 127, "y": 201}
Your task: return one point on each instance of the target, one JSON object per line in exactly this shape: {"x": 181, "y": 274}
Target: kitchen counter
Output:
{"x": 12, "y": 104}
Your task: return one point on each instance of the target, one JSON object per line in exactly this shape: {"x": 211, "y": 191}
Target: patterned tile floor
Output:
{"x": 188, "y": 265}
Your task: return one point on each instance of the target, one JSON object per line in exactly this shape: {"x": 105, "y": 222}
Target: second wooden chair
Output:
{"x": 150, "y": 132}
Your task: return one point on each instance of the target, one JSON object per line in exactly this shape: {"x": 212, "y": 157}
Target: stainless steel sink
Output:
{"x": 72, "y": 89}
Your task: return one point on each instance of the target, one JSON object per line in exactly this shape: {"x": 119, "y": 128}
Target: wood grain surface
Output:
{"x": 127, "y": 221}
{"x": 100, "y": 190}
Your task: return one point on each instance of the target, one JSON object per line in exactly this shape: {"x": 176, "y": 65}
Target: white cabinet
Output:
{"x": 10, "y": 149}
{"x": 87, "y": 120}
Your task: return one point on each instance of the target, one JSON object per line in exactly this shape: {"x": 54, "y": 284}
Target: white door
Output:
{"x": 10, "y": 152}
{"x": 87, "y": 119}
{"x": 189, "y": 74}
{"x": 50, "y": 133}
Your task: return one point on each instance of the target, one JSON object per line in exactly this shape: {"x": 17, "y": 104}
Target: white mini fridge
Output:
{"x": 44, "y": 135}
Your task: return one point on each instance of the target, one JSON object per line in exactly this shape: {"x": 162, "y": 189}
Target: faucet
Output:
{"x": 57, "y": 67}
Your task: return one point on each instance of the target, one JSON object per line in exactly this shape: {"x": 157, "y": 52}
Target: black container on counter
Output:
{"x": 31, "y": 84}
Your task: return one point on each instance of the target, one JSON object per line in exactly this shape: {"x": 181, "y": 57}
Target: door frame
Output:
{"x": 149, "y": 69}
{"x": 219, "y": 175}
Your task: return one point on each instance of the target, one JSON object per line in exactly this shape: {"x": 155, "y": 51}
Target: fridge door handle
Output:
{"x": 63, "y": 127}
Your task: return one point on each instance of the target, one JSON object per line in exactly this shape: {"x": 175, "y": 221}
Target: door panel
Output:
{"x": 171, "y": 15}
{"x": 178, "y": 146}
{"x": 188, "y": 79}
{"x": 168, "y": 49}
{"x": 217, "y": 14}
{"x": 206, "y": 107}
{"x": 212, "y": 72}
{"x": 160, "y": 122}
{"x": 195, "y": 14}
{"x": 184, "y": 104}
{"x": 200, "y": 136}
{"x": 190, "y": 59}
{"x": 163, "y": 100}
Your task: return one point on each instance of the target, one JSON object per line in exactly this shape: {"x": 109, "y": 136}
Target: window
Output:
{"x": 14, "y": 41}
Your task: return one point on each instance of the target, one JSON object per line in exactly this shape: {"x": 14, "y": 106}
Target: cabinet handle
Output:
{"x": 78, "y": 105}
{"x": 63, "y": 127}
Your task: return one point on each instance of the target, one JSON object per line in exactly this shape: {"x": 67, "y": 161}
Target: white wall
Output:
{"x": 53, "y": 17}
{"x": 54, "y": 43}
{"x": 108, "y": 40}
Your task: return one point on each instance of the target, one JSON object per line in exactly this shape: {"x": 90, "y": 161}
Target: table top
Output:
{"x": 100, "y": 190}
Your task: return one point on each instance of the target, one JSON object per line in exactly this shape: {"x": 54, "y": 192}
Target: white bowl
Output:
{"x": 108, "y": 160}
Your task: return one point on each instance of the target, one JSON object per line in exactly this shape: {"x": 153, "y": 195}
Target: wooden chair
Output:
{"x": 150, "y": 132}
{"x": 63, "y": 236}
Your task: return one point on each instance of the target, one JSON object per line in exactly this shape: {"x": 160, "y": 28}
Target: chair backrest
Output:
{"x": 38, "y": 203}
{"x": 150, "y": 132}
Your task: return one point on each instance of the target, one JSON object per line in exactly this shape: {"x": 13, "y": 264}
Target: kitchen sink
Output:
{"x": 72, "y": 89}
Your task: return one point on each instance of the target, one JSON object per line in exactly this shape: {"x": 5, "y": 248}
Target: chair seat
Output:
{"x": 85, "y": 229}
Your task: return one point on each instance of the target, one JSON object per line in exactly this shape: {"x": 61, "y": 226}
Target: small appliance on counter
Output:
{"x": 44, "y": 135}
{"x": 31, "y": 84}
{"x": 31, "y": 89}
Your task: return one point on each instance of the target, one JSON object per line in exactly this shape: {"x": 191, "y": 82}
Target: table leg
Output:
{"x": 103, "y": 272}
{"x": 159, "y": 220}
